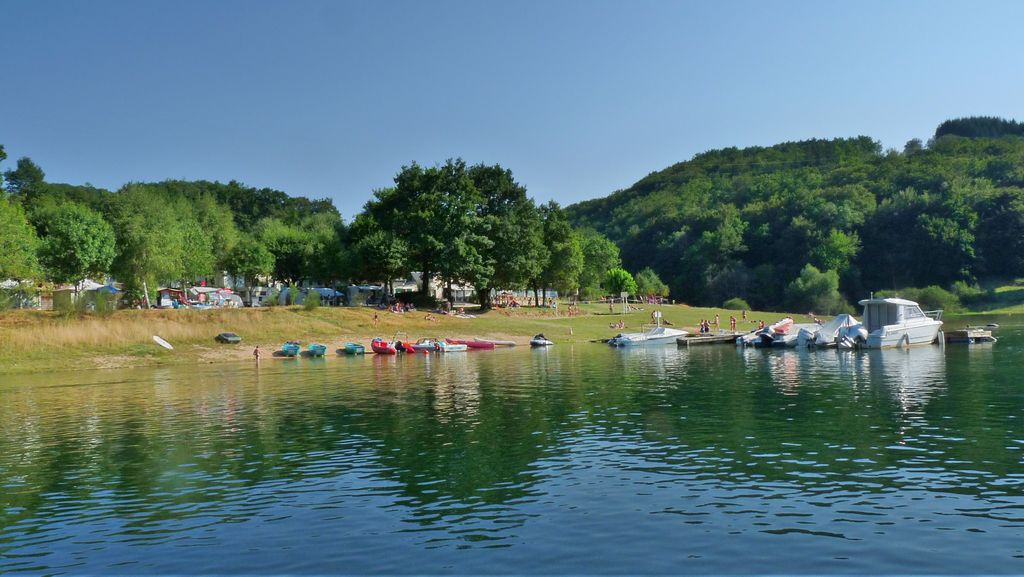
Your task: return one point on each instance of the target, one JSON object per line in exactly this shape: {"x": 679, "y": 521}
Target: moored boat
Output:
{"x": 896, "y": 322}
{"x": 657, "y": 335}
{"x": 316, "y": 349}
{"x": 291, "y": 348}
{"x": 354, "y": 349}
{"x": 382, "y": 347}
{"x": 446, "y": 347}
{"x": 539, "y": 340}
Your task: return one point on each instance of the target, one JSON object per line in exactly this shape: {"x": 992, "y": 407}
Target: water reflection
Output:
{"x": 584, "y": 459}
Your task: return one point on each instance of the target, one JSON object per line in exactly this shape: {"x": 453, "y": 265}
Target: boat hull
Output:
{"x": 354, "y": 349}
{"x": 891, "y": 336}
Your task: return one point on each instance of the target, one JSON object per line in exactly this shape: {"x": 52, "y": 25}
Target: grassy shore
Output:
{"x": 45, "y": 341}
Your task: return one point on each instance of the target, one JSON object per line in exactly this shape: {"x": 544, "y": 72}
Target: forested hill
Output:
{"x": 747, "y": 222}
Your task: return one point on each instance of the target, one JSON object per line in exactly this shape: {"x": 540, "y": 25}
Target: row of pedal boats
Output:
{"x": 395, "y": 346}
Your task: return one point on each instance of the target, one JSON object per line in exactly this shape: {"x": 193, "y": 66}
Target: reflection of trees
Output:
{"x": 472, "y": 435}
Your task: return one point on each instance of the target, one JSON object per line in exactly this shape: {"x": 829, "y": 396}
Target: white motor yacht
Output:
{"x": 895, "y": 322}
{"x": 657, "y": 335}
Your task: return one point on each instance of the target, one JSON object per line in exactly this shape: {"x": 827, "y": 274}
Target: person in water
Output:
{"x": 256, "y": 353}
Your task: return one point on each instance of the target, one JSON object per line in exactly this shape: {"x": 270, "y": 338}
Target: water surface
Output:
{"x": 578, "y": 459}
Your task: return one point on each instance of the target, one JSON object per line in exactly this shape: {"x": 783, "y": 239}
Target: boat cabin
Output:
{"x": 881, "y": 312}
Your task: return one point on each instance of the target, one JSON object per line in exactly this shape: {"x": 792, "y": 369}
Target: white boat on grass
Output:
{"x": 895, "y": 322}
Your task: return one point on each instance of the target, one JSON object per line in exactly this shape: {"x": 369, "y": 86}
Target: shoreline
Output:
{"x": 42, "y": 341}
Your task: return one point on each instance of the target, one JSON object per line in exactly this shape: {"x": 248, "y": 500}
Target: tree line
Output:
{"x": 821, "y": 223}
{"x": 460, "y": 224}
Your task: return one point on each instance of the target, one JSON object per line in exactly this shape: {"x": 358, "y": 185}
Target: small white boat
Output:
{"x": 658, "y": 335}
{"x": 540, "y": 341}
{"x": 895, "y": 322}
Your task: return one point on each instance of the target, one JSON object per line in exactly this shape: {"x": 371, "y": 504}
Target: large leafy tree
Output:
{"x": 514, "y": 252}
{"x": 18, "y": 242}
{"x": 149, "y": 247}
{"x": 77, "y": 242}
{"x": 434, "y": 210}
{"x": 249, "y": 259}
{"x": 562, "y": 269}
{"x": 291, "y": 246}
{"x": 377, "y": 255}
{"x": 599, "y": 256}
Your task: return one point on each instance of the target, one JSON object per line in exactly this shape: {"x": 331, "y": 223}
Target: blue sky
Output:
{"x": 577, "y": 98}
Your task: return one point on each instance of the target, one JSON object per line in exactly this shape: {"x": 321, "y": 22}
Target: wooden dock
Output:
{"x": 970, "y": 335}
{"x": 720, "y": 339}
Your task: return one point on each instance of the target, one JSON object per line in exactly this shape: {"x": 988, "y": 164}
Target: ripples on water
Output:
{"x": 572, "y": 460}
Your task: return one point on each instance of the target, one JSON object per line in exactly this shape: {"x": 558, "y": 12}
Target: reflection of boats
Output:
{"x": 316, "y": 349}
{"x": 354, "y": 349}
{"x": 291, "y": 348}
{"x": 657, "y": 335}
{"x": 539, "y": 340}
{"x": 895, "y": 322}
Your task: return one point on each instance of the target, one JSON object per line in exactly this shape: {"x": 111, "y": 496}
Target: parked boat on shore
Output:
{"x": 291, "y": 348}
{"x": 354, "y": 349}
{"x": 317, "y": 349}
{"x": 382, "y": 347}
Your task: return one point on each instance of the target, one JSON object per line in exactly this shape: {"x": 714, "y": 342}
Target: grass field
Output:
{"x": 44, "y": 341}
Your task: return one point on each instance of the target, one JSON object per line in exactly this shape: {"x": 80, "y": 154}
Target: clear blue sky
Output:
{"x": 578, "y": 98}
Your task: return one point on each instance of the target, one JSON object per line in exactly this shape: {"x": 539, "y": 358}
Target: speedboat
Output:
{"x": 896, "y": 322}
{"x": 291, "y": 348}
{"x": 539, "y": 340}
{"x": 354, "y": 349}
{"x": 658, "y": 335}
{"x": 316, "y": 349}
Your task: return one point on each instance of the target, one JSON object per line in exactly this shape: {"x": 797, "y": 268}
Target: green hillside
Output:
{"x": 748, "y": 222}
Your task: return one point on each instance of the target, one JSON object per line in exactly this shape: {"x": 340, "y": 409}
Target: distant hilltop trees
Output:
{"x": 980, "y": 127}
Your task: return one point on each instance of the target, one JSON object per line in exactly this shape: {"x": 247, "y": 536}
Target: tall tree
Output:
{"x": 17, "y": 242}
{"x": 249, "y": 260}
{"x": 434, "y": 211}
{"x": 149, "y": 248}
{"x": 291, "y": 247}
{"x": 77, "y": 242}
{"x": 565, "y": 257}
{"x": 515, "y": 250}
{"x": 25, "y": 179}
{"x": 599, "y": 256}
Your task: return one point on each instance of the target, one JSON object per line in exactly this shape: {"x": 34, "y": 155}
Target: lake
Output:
{"x": 579, "y": 459}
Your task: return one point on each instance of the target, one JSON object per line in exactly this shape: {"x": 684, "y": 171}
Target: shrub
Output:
{"x": 815, "y": 290}
{"x": 736, "y": 304}
{"x": 312, "y": 300}
{"x": 930, "y": 297}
